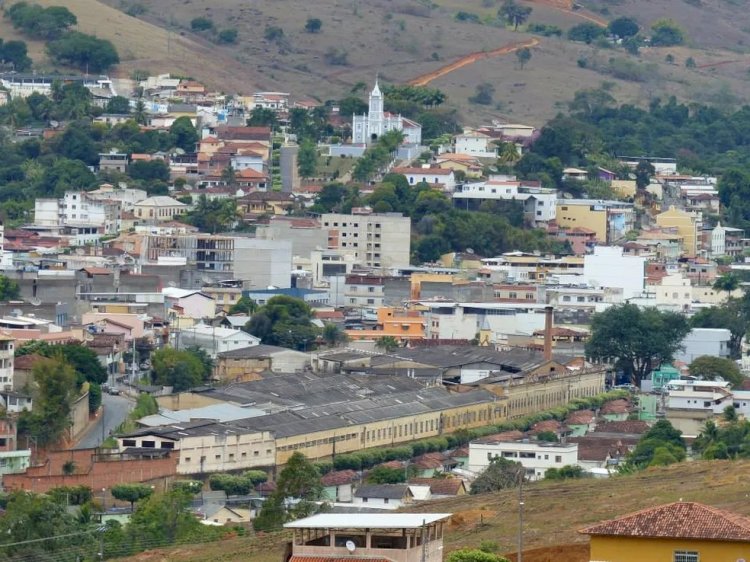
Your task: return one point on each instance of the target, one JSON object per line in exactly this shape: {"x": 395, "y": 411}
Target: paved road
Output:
{"x": 116, "y": 409}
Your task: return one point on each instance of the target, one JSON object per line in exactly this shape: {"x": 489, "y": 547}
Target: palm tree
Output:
{"x": 333, "y": 335}
{"x": 507, "y": 153}
{"x": 727, "y": 282}
{"x": 387, "y": 344}
{"x": 139, "y": 113}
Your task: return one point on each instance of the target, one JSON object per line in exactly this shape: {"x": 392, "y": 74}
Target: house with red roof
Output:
{"x": 678, "y": 532}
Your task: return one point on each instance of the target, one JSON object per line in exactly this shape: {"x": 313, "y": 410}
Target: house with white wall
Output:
{"x": 432, "y": 176}
{"x": 189, "y": 303}
{"x": 536, "y": 457}
{"x": 214, "y": 339}
{"x": 608, "y": 267}
{"x": 704, "y": 341}
{"x": 475, "y": 143}
{"x": 383, "y": 496}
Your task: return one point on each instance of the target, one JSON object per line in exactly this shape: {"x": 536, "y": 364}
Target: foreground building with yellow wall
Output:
{"x": 675, "y": 532}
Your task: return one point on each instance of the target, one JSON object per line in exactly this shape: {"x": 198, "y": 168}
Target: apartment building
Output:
{"x": 539, "y": 203}
{"x": 77, "y": 213}
{"x": 610, "y": 220}
{"x": 536, "y": 457}
{"x": 379, "y": 240}
{"x": 688, "y": 224}
{"x": 363, "y": 290}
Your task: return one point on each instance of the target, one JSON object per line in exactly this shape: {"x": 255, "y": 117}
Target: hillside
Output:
{"x": 403, "y": 40}
{"x": 554, "y": 513}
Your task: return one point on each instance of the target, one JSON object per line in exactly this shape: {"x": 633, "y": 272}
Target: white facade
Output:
{"x": 215, "y": 340}
{"x": 23, "y": 85}
{"x": 704, "y": 341}
{"x": 261, "y": 264}
{"x": 368, "y": 128}
{"x": 699, "y": 396}
{"x": 378, "y": 240}
{"x": 719, "y": 239}
{"x": 190, "y": 304}
{"x": 452, "y": 321}
{"x": 476, "y": 144}
{"x": 127, "y": 197}
{"x": 535, "y": 457}
{"x": 7, "y": 351}
{"x": 540, "y": 204}
{"x": 608, "y": 267}
{"x": 675, "y": 291}
{"x": 431, "y": 176}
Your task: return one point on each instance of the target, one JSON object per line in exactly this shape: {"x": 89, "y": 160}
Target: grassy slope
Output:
{"x": 401, "y": 47}
{"x": 554, "y": 512}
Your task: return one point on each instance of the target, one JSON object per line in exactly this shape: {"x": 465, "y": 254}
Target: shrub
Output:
{"x": 228, "y": 36}
{"x": 83, "y": 51}
{"x": 201, "y": 24}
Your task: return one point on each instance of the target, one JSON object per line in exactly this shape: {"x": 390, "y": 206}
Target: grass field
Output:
{"x": 554, "y": 512}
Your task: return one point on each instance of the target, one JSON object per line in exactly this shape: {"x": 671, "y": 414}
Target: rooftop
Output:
{"x": 367, "y": 521}
{"x": 679, "y": 520}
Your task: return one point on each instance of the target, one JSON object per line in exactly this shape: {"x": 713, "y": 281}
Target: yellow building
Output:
{"x": 623, "y": 188}
{"x": 686, "y": 223}
{"x": 610, "y": 220}
{"x": 675, "y": 532}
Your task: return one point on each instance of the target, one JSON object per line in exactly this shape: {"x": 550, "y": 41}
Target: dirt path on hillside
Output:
{"x": 471, "y": 58}
{"x": 567, "y": 7}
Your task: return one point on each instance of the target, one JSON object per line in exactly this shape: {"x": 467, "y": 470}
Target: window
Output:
{"x": 558, "y": 458}
{"x": 686, "y": 556}
{"x": 385, "y": 500}
{"x": 187, "y": 459}
{"x": 128, "y": 443}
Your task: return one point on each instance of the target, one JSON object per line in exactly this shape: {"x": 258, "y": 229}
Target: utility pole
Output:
{"x": 424, "y": 540}
{"x": 520, "y": 520}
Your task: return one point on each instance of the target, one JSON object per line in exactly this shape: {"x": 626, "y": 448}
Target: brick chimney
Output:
{"x": 547, "y": 333}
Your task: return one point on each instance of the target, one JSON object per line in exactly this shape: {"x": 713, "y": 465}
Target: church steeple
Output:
{"x": 376, "y": 103}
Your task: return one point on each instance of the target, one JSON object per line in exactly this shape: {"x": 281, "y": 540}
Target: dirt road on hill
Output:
{"x": 471, "y": 58}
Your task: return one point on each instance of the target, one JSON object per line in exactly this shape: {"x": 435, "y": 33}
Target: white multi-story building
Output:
{"x": 699, "y": 396}
{"x": 536, "y": 457}
{"x": 726, "y": 241}
{"x": 214, "y": 340}
{"x": 7, "y": 350}
{"x": 380, "y": 240}
{"x": 128, "y": 196}
{"x": 369, "y": 128}
{"x": 447, "y": 320}
{"x": 475, "y": 143}
{"x": 540, "y": 204}
{"x": 713, "y": 342}
{"x": 608, "y": 267}
{"x": 85, "y": 218}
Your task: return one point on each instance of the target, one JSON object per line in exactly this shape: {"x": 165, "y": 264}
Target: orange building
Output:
{"x": 404, "y": 325}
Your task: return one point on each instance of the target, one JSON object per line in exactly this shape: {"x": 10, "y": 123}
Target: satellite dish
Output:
{"x": 207, "y": 280}
{"x": 35, "y": 301}
{"x": 469, "y": 250}
{"x": 172, "y": 284}
{"x": 350, "y": 546}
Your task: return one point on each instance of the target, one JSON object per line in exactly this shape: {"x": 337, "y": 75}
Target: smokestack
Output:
{"x": 547, "y": 333}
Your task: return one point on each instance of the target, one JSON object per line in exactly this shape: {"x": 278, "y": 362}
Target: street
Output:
{"x": 116, "y": 409}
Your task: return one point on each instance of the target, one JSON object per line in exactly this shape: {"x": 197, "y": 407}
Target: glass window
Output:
{"x": 686, "y": 556}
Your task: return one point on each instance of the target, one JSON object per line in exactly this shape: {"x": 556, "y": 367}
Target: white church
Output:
{"x": 367, "y": 129}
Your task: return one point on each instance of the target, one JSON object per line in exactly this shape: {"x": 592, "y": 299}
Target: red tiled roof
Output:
{"x": 334, "y": 559}
{"x": 424, "y": 171}
{"x": 624, "y": 426}
{"x": 678, "y": 520}
{"x": 546, "y": 425}
{"x": 580, "y": 417}
{"x": 440, "y": 486}
{"x": 504, "y": 437}
{"x": 328, "y": 315}
{"x": 26, "y": 362}
{"x": 616, "y": 407}
{"x": 338, "y": 477}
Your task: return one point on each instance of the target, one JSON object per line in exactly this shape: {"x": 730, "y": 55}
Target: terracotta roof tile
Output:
{"x": 580, "y": 417}
{"x": 546, "y": 425}
{"x": 440, "y": 486}
{"x": 679, "y": 520}
{"x": 621, "y": 406}
{"x": 338, "y": 477}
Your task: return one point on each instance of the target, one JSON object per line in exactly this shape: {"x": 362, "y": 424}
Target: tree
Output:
{"x": 41, "y": 23}
{"x": 183, "y": 134}
{"x": 483, "y": 94}
{"x": 131, "y": 493}
{"x": 9, "y": 289}
{"x": 162, "y": 519}
{"x": 313, "y": 25}
{"x": 514, "y": 13}
{"x": 474, "y": 555}
{"x": 623, "y": 27}
{"x": 500, "y": 474}
{"x": 213, "y": 215}
{"x": 263, "y": 117}
{"x": 201, "y": 24}
{"x": 523, "y": 56}
{"x": 666, "y": 33}
{"x": 638, "y": 339}
{"x": 643, "y": 172}
{"x": 228, "y": 36}
{"x": 55, "y": 382}
{"x": 307, "y": 159}
{"x": 119, "y": 105}
{"x": 231, "y": 484}
{"x": 710, "y": 368}
{"x": 300, "y": 480}
{"x": 659, "y": 446}
{"x": 284, "y": 321}
{"x": 182, "y": 369}
{"x": 16, "y": 54}
{"x": 564, "y": 472}
{"x": 386, "y": 475}
{"x": 729, "y": 282}
{"x": 83, "y": 51}
{"x": 333, "y": 335}
{"x": 586, "y": 32}
{"x": 149, "y": 170}
{"x": 244, "y": 305}
{"x": 388, "y": 344}
{"x": 733, "y": 316}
